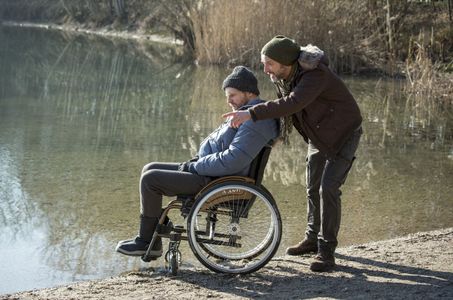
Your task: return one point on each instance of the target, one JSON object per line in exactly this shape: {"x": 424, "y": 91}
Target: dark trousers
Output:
{"x": 164, "y": 179}
{"x": 325, "y": 176}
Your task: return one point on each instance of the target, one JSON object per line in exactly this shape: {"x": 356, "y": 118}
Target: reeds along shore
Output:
{"x": 426, "y": 84}
{"x": 409, "y": 38}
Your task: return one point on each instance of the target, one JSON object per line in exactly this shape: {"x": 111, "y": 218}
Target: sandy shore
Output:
{"x": 417, "y": 266}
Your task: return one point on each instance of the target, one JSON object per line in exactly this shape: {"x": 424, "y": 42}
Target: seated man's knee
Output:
{"x": 149, "y": 178}
{"x": 149, "y": 166}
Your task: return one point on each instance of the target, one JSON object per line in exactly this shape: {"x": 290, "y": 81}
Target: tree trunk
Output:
{"x": 119, "y": 8}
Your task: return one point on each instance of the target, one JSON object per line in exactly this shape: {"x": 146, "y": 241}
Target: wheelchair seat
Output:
{"x": 255, "y": 176}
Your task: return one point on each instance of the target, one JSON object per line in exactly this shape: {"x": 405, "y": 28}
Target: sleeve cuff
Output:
{"x": 192, "y": 168}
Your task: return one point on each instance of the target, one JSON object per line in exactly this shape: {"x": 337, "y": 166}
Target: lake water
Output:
{"x": 81, "y": 115}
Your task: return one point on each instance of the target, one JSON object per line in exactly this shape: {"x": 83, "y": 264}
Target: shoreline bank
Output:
{"x": 416, "y": 266}
{"x": 102, "y": 31}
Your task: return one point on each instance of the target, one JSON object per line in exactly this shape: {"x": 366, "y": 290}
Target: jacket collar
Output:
{"x": 251, "y": 103}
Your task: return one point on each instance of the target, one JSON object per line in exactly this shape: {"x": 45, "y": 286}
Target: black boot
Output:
{"x": 139, "y": 245}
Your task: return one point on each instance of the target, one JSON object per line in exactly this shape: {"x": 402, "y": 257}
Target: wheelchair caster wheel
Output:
{"x": 173, "y": 256}
{"x": 173, "y": 259}
{"x": 173, "y": 264}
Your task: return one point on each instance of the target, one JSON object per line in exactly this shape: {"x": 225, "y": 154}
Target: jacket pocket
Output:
{"x": 319, "y": 113}
{"x": 327, "y": 120}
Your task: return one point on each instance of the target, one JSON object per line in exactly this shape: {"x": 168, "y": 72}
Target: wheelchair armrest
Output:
{"x": 223, "y": 179}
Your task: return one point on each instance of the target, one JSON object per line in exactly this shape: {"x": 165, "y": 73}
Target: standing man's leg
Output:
{"x": 315, "y": 167}
{"x": 335, "y": 173}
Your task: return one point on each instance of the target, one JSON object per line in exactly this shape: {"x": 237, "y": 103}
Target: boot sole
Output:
{"x": 320, "y": 267}
{"x": 301, "y": 253}
{"x": 153, "y": 253}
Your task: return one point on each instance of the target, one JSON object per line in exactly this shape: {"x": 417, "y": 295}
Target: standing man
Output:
{"x": 319, "y": 105}
{"x": 226, "y": 151}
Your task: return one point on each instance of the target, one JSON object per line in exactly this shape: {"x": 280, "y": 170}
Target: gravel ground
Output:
{"x": 417, "y": 266}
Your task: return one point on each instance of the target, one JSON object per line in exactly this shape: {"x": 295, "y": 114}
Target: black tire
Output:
{"x": 174, "y": 264}
{"x": 234, "y": 227}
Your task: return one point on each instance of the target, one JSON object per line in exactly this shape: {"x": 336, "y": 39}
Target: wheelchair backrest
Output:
{"x": 255, "y": 175}
{"x": 259, "y": 164}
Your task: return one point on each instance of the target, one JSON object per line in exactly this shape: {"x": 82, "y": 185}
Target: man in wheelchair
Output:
{"x": 226, "y": 151}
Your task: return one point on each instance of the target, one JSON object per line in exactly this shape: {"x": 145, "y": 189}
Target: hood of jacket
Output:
{"x": 310, "y": 56}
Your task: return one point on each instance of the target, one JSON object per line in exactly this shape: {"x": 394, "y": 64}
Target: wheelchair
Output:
{"x": 233, "y": 223}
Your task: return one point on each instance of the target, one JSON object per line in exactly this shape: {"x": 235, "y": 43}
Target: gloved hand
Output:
{"x": 187, "y": 167}
{"x": 184, "y": 167}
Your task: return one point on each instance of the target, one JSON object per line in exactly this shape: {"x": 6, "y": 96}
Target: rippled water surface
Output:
{"x": 80, "y": 116}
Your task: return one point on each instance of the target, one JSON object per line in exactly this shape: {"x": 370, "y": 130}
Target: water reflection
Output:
{"x": 80, "y": 116}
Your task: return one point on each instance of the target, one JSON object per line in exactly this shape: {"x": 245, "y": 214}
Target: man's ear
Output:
{"x": 250, "y": 95}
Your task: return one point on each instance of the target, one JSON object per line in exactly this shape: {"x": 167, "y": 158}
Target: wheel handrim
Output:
{"x": 244, "y": 261}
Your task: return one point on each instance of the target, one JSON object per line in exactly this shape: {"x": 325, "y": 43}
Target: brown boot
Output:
{"x": 324, "y": 261}
{"x": 304, "y": 247}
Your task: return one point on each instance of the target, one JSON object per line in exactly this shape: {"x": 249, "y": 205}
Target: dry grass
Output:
{"x": 358, "y": 36}
{"x": 424, "y": 77}
{"x": 234, "y": 31}
{"x": 429, "y": 91}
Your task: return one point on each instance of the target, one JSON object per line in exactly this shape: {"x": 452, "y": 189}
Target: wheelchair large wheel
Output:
{"x": 234, "y": 227}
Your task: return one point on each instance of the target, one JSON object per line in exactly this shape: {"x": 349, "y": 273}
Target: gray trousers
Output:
{"x": 324, "y": 178}
{"x": 164, "y": 179}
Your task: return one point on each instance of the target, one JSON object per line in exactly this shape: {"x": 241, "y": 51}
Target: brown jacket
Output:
{"x": 322, "y": 108}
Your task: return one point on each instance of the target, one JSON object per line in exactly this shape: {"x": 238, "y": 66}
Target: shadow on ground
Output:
{"x": 354, "y": 277}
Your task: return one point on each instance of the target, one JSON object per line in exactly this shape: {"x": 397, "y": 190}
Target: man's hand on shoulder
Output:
{"x": 238, "y": 117}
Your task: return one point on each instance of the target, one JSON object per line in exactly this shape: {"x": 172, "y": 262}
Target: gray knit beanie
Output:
{"x": 242, "y": 79}
{"x": 282, "y": 49}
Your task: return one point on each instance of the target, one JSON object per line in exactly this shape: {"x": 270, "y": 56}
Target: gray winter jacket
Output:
{"x": 229, "y": 151}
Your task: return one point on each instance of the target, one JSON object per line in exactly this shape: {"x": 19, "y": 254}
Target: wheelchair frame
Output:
{"x": 229, "y": 200}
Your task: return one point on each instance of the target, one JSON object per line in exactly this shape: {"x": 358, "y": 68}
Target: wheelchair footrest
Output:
{"x": 149, "y": 258}
{"x": 164, "y": 229}
{"x": 179, "y": 229}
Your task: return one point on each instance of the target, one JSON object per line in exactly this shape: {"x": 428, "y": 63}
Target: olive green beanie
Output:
{"x": 282, "y": 49}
